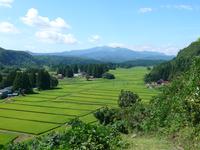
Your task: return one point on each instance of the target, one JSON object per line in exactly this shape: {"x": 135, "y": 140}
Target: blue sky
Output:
{"x": 53, "y": 26}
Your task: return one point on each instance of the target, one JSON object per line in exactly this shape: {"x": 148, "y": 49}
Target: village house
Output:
{"x": 4, "y": 92}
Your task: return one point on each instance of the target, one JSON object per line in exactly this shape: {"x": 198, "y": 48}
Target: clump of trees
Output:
{"x": 9, "y": 77}
{"x": 127, "y": 99}
{"x": 105, "y": 115}
{"x": 129, "y": 116}
{"x": 22, "y": 82}
{"x": 43, "y": 80}
{"x": 108, "y": 76}
{"x": 66, "y": 71}
{"x": 95, "y": 70}
{"x": 26, "y": 80}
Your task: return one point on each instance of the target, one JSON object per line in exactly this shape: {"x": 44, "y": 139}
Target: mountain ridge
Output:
{"x": 110, "y": 54}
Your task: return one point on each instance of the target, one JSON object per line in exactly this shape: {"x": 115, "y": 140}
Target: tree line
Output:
{"x": 28, "y": 79}
{"x": 95, "y": 70}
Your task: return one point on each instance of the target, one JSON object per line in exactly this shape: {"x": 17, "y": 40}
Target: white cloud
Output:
{"x": 55, "y": 37}
{"x": 145, "y": 10}
{"x": 51, "y": 31}
{"x": 180, "y": 7}
{"x": 6, "y": 3}
{"x": 94, "y": 39}
{"x": 32, "y": 18}
{"x": 186, "y": 7}
{"x": 6, "y": 27}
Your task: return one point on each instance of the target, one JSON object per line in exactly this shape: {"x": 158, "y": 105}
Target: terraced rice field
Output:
{"x": 39, "y": 113}
{"x": 5, "y": 138}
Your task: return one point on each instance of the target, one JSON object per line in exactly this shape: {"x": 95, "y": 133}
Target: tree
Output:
{"x": 54, "y": 82}
{"x": 87, "y": 77}
{"x": 10, "y": 78}
{"x": 69, "y": 72}
{"x": 75, "y": 68}
{"x": 105, "y": 115}
{"x": 22, "y": 82}
{"x": 61, "y": 70}
{"x": 89, "y": 70}
{"x": 108, "y": 76}
{"x": 32, "y": 73}
{"x": 127, "y": 99}
{"x": 33, "y": 79}
{"x": 1, "y": 78}
{"x": 148, "y": 68}
{"x": 43, "y": 80}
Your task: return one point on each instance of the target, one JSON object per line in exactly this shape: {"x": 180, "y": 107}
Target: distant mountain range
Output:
{"x": 110, "y": 54}
{"x": 87, "y": 56}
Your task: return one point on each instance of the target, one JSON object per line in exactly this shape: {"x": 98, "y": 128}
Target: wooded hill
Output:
{"x": 169, "y": 70}
{"x": 16, "y": 58}
{"x": 24, "y": 59}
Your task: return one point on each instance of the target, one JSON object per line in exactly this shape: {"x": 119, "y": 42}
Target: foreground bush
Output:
{"x": 127, "y": 99}
{"x": 80, "y": 137}
{"x": 124, "y": 119}
{"x": 177, "y": 110}
{"x": 105, "y": 115}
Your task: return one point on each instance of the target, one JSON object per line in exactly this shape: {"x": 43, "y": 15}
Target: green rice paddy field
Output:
{"x": 39, "y": 113}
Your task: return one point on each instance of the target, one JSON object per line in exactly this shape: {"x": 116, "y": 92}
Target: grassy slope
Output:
{"x": 148, "y": 143}
{"x": 39, "y": 113}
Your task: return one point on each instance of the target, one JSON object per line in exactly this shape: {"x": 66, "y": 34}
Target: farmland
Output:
{"x": 39, "y": 113}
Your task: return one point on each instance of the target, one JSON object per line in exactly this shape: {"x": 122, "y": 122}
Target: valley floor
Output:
{"x": 37, "y": 114}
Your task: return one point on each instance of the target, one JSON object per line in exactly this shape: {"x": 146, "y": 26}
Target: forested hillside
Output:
{"x": 178, "y": 65}
{"x": 24, "y": 59}
{"x": 16, "y": 58}
{"x": 177, "y": 110}
{"x": 140, "y": 62}
{"x": 64, "y": 60}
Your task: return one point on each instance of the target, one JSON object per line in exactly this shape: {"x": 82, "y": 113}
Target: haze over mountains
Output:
{"x": 110, "y": 54}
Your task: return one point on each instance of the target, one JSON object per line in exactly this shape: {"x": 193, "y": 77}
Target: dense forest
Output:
{"x": 23, "y": 81}
{"x": 171, "y": 69}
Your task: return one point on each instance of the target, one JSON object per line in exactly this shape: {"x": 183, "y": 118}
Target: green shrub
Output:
{"x": 177, "y": 109}
{"x": 80, "y": 137}
{"x": 105, "y": 115}
{"x": 127, "y": 99}
{"x": 134, "y": 116}
{"x": 121, "y": 126}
